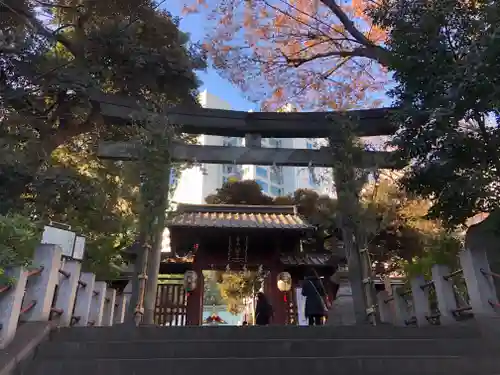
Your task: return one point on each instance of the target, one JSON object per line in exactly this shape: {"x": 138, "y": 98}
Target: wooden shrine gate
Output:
{"x": 171, "y": 302}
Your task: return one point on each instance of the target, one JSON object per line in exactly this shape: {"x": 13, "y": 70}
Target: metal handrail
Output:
{"x": 35, "y": 272}
{"x": 494, "y": 304}
{"x": 81, "y": 283}
{"x": 66, "y": 274}
{"x": 427, "y": 285}
{"x": 461, "y": 309}
{"x": 453, "y": 274}
{"x": 489, "y": 273}
{"x": 5, "y": 288}
{"x": 24, "y": 310}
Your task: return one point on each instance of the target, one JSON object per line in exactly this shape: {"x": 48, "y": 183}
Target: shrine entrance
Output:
{"x": 240, "y": 238}
{"x": 171, "y": 302}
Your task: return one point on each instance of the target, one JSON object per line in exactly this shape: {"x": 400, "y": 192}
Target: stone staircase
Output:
{"x": 352, "y": 350}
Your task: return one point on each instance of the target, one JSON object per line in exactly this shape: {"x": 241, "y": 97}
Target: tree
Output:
{"x": 98, "y": 199}
{"x": 212, "y": 293}
{"x": 444, "y": 55}
{"x": 241, "y": 192}
{"x": 18, "y": 238}
{"x": 401, "y": 237}
{"x": 314, "y": 54}
{"x": 56, "y": 55}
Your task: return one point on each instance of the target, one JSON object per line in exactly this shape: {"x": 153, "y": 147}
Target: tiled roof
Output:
{"x": 309, "y": 259}
{"x": 238, "y": 216}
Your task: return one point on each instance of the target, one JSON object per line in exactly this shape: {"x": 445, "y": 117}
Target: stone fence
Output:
{"x": 56, "y": 289}
{"x": 399, "y": 305}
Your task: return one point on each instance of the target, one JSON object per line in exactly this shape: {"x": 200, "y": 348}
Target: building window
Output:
{"x": 276, "y": 191}
{"x": 230, "y": 142}
{"x": 312, "y": 181}
{"x": 229, "y": 168}
{"x": 263, "y": 185}
{"x": 261, "y": 172}
{"x": 276, "y": 176}
{"x": 274, "y": 143}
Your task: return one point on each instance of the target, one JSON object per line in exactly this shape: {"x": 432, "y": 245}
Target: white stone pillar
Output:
{"x": 120, "y": 308}
{"x": 11, "y": 299}
{"x": 400, "y": 307}
{"x": 66, "y": 292}
{"x": 97, "y": 304}
{"x": 342, "y": 310}
{"x": 128, "y": 293}
{"x": 480, "y": 284}
{"x": 420, "y": 296}
{"x": 84, "y": 298}
{"x": 109, "y": 307}
{"x": 445, "y": 294}
{"x": 384, "y": 307}
{"x": 41, "y": 285}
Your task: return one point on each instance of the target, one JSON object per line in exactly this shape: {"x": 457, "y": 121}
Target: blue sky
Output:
{"x": 195, "y": 25}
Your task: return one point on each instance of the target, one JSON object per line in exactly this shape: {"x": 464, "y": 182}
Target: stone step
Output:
{"x": 278, "y": 348}
{"x": 150, "y": 333}
{"x": 290, "y": 366}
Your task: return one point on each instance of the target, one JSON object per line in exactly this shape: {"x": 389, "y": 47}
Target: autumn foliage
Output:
{"x": 314, "y": 54}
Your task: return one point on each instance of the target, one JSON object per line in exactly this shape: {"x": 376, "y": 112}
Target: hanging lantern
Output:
{"x": 284, "y": 281}
{"x": 233, "y": 177}
{"x": 190, "y": 281}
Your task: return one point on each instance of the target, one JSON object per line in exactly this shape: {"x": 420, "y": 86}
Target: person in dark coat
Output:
{"x": 263, "y": 310}
{"x": 313, "y": 290}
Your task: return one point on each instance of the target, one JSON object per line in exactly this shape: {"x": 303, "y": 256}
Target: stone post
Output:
{"x": 41, "y": 285}
{"x": 84, "y": 297}
{"x": 480, "y": 286}
{"x": 420, "y": 295}
{"x": 253, "y": 140}
{"x": 400, "y": 307}
{"x": 444, "y": 293}
{"x": 11, "y": 299}
{"x": 97, "y": 304}
{"x": 128, "y": 292}
{"x": 384, "y": 307}
{"x": 342, "y": 310}
{"x": 120, "y": 308}
{"x": 109, "y": 307}
{"x": 66, "y": 293}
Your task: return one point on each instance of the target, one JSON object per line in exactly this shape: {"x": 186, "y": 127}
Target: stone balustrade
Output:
{"x": 54, "y": 288}
{"x": 399, "y": 305}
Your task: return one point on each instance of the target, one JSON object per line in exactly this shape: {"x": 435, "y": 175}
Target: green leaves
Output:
{"x": 19, "y": 236}
{"x": 444, "y": 58}
{"x": 54, "y": 54}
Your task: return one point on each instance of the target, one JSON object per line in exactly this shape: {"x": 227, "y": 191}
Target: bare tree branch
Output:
{"x": 51, "y": 5}
{"x": 378, "y": 53}
{"x": 357, "y": 52}
{"x": 38, "y": 27}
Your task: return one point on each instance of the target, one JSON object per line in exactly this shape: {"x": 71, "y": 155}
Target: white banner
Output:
{"x": 301, "y": 305}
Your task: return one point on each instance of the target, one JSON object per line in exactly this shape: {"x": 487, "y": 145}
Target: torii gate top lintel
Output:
{"x": 197, "y": 120}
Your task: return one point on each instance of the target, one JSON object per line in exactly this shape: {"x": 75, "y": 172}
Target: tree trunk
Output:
{"x": 155, "y": 260}
{"x": 359, "y": 267}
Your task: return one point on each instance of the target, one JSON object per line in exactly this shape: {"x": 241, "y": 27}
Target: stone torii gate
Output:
{"x": 253, "y": 126}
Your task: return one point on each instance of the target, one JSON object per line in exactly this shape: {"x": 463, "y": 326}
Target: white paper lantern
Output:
{"x": 284, "y": 281}
{"x": 190, "y": 281}
{"x": 233, "y": 177}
